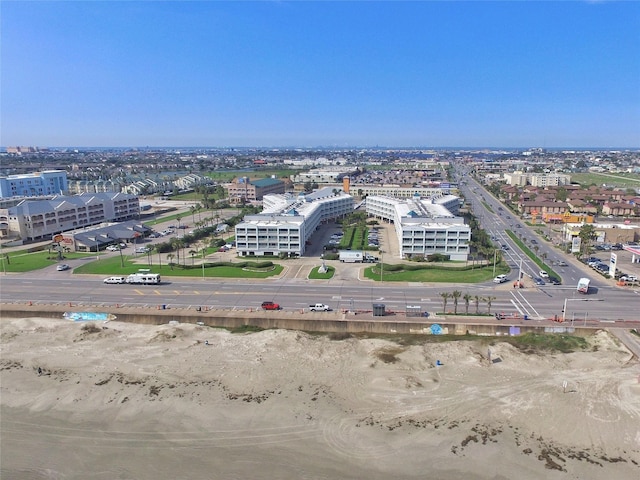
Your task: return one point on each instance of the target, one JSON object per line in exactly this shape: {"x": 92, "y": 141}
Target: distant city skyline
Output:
{"x": 220, "y": 74}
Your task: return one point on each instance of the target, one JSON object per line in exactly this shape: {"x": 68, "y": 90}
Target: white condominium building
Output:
{"x": 288, "y": 221}
{"x": 424, "y": 226}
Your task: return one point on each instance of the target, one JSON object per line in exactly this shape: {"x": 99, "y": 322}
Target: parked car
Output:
{"x": 112, "y": 248}
{"x": 270, "y": 306}
{"x": 62, "y": 267}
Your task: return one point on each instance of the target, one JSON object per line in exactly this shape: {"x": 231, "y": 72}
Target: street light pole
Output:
{"x": 495, "y": 255}
{"x": 203, "y": 252}
{"x": 381, "y": 264}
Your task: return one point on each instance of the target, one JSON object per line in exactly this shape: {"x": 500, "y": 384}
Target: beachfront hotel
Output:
{"x": 288, "y": 221}
{"x": 424, "y": 226}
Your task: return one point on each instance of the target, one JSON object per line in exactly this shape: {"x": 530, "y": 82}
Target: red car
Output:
{"x": 270, "y": 306}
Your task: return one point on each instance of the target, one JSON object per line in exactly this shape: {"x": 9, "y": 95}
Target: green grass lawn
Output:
{"x": 315, "y": 275}
{"x": 436, "y": 275}
{"x": 613, "y": 179}
{"x": 113, "y": 266}
{"x": 25, "y": 261}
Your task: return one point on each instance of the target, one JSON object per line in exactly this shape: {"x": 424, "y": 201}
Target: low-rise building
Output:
{"x": 288, "y": 221}
{"x": 424, "y": 226}
{"x": 243, "y": 190}
{"x": 620, "y": 209}
{"x": 47, "y": 182}
{"x": 40, "y": 219}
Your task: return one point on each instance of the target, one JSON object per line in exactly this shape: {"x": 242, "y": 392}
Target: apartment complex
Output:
{"x": 245, "y": 190}
{"x": 40, "y": 219}
{"x": 424, "y": 226}
{"x": 537, "y": 179}
{"x": 325, "y": 175}
{"x": 47, "y": 182}
{"x": 288, "y": 221}
{"x": 398, "y": 191}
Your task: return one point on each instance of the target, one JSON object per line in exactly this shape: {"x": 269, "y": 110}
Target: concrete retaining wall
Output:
{"x": 311, "y": 322}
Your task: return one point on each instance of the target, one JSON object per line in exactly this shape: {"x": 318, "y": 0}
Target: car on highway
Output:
{"x": 534, "y": 241}
{"x": 500, "y": 279}
{"x": 543, "y": 274}
{"x": 562, "y": 263}
{"x": 115, "y": 280}
{"x": 554, "y": 281}
{"x": 538, "y": 281}
{"x": 270, "y": 306}
{"x": 505, "y": 247}
{"x": 518, "y": 226}
{"x": 62, "y": 267}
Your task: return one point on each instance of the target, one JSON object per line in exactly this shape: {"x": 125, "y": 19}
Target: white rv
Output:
{"x": 144, "y": 278}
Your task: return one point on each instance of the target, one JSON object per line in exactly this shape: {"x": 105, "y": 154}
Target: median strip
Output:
{"x": 531, "y": 255}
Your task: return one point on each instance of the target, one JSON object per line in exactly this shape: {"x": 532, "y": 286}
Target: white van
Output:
{"x": 500, "y": 279}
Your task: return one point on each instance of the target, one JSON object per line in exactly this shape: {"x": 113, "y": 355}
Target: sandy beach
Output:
{"x": 124, "y": 401}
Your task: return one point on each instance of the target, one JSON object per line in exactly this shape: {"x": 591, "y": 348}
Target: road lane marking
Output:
{"x": 522, "y": 309}
{"x": 527, "y": 302}
{"x": 139, "y": 292}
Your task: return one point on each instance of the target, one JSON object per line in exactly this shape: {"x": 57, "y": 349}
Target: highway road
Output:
{"x": 495, "y": 223}
{"x": 609, "y": 303}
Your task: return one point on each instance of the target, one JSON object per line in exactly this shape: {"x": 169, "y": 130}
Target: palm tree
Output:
{"x": 157, "y": 248}
{"x": 193, "y": 254}
{"x": 477, "y": 299}
{"x": 455, "y": 295}
{"x": 169, "y": 258}
{"x": 445, "y": 296}
{"x": 467, "y": 298}
{"x": 489, "y": 300}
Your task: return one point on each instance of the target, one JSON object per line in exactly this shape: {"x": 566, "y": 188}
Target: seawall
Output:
{"x": 328, "y": 322}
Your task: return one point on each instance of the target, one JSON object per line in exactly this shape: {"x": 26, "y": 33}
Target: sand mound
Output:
{"x": 183, "y": 401}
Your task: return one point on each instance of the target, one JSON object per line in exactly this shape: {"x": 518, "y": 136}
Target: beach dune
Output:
{"x": 123, "y": 401}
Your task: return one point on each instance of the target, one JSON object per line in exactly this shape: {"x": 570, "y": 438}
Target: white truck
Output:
{"x": 351, "y": 256}
{"x": 583, "y": 285}
{"x": 356, "y": 256}
{"x": 319, "y": 307}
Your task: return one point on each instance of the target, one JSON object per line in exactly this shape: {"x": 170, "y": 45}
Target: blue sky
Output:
{"x": 298, "y": 73}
